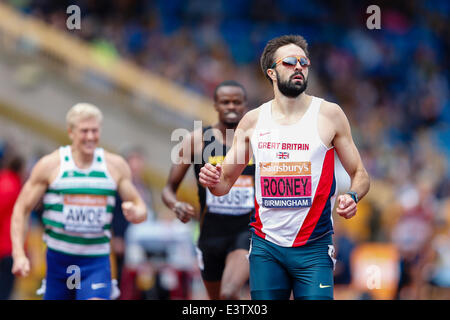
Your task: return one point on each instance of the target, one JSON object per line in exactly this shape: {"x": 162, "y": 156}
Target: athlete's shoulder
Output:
{"x": 250, "y": 119}
{"x": 195, "y": 134}
{"x": 331, "y": 110}
{"x": 334, "y": 115}
{"x": 117, "y": 166}
{"x": 193, "y": 141}
{"x": 49, "y": 161}
{"x": 45, "y": 167}
{"x": 114, "y": 159}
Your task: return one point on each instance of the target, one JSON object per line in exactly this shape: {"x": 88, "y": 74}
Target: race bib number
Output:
{"x": 84, "y": 213}
{"x": 240, "y": 199}
{"x": 285, "y": 184}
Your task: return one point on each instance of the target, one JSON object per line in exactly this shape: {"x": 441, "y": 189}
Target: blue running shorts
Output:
{"x": 77, "y": 277}
{"x": 276, "y": 271}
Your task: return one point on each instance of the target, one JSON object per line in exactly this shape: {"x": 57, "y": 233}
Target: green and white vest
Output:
{"x": 78, "y": 207}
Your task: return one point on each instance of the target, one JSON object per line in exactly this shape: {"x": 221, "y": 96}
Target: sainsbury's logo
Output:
{"x": 285, "y": 168}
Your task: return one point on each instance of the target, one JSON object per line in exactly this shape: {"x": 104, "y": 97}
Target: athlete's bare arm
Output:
{"x": 220, "y": 178}
{"x": 191, "y": 145}
{"x": 350, "y": 158}
{"x": 133, "y": 207}
{"x": 34, "y": 188}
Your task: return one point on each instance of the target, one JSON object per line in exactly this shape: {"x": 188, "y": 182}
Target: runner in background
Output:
{"x": 78, "y": 184}
{"x": 224, "y": 233}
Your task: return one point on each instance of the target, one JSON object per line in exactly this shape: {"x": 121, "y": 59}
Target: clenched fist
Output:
{"x": 346, "y": 206}
{"x": 209, "y": 175}
{"x": 131, "y": 213}
{"x": 21, "y": 266}
{"x": 184, "y": 211}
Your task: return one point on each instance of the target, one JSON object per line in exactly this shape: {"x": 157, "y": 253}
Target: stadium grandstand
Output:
{"x": 152, "y": 66}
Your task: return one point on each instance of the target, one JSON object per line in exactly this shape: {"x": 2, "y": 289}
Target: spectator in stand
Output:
{"x": 10, "y": 185}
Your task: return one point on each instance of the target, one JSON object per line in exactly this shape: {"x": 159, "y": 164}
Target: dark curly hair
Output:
{"x": 272, "y": 46}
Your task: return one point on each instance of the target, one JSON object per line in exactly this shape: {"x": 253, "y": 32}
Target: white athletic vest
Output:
{"x": 78, "y": 207}
{"x": 294, "y": 179}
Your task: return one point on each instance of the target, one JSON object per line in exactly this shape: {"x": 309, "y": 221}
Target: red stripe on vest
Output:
{"x": 320, "y": 199}
{"x": 257, "y": 225}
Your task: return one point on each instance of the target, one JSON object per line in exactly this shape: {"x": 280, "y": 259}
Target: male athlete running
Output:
{"x": 292, "y": 139}
{"x": 78, "y": 184}
{"x": 224, "y": 234}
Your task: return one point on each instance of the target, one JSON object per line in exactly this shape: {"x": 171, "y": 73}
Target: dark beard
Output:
{"x": 291, "y": 89}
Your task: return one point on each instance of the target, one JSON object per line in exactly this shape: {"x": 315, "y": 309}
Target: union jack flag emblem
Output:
{"x": 283, "y": 155}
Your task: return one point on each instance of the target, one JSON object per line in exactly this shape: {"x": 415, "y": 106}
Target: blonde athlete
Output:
{"x": 78, "y": 184}
{"x": 292, "y": 139}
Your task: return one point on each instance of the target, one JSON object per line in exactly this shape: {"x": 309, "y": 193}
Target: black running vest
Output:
{"x": 229, "y": 214}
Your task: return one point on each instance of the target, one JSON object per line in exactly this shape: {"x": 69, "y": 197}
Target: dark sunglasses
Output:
{"x": 291, "y": 61}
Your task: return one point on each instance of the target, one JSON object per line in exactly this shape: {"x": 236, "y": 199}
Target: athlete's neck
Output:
{"x": 289, "y": 106}
{"x": 82, "y": 160}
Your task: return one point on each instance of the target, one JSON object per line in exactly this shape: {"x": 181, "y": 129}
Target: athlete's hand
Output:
{"x": 184, "y": 211}
{"x": 209, "y": 175}
{"x": 21, "y": 266}
{"x": 346, "y": 206}
{"x": 131, "y": 212}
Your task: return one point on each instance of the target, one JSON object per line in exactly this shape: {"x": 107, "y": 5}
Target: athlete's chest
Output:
{"x": 286, "y": 145}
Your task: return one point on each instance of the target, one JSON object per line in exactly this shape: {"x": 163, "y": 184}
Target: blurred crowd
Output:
{"x": 392, "y": 83}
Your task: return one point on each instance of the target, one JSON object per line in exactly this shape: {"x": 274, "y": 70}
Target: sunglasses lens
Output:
{"x": 290, "y": 61}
